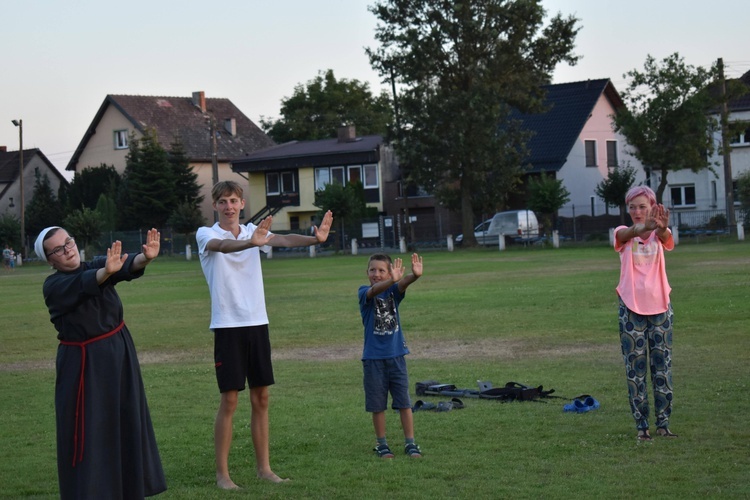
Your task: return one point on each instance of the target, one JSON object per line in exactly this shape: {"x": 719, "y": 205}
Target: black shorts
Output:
{"x": 242, "y": 353}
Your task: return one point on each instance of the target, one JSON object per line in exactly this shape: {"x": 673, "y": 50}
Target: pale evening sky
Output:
{"x": 61, "y": 59}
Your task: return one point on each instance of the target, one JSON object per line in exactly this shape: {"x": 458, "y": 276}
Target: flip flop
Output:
{"x": 423, "y": 406}
{"x": 444, "y": 406}
{"x": 457, "y": 403}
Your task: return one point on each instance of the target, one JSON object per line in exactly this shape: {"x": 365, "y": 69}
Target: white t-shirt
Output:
{"x": 235, "y": 280}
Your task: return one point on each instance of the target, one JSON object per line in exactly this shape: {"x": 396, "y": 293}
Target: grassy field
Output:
{"x": 536, "y": 316}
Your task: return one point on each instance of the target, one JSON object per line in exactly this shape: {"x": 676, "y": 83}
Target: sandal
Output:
{"x": 383, "y": 451}
{"x": 665, "y": 432}
{"x": 643, "y": 435}
{"x": 412, "y": 450}
{"x": 457, "y": 403}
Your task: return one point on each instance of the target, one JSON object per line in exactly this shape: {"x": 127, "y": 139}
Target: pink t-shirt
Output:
{"x": 643, "y": 283}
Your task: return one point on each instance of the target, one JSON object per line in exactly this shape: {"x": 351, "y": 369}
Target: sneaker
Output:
{"x": 412, "y": 450}
{"x": 383, "y": 451}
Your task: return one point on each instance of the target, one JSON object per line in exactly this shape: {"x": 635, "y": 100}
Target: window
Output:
{"x": 355, "y": 174}
{"x": 371, "y": 176}
{"x": 280, "y": 182}
{"x": 121, "y": 139}
{"x": 683, "y": 196}
{"x": 741, "y": 139}
{"x": 590, "y": 147}
{"x": 611, "y": 153}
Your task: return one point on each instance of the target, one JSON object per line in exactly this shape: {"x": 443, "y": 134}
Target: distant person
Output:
{"x": 230, "y": 258}
{"x": 6, "y": 257}
{"x": 383, "y": 357}
{"x": 646, "y": 316}
{"x": 105, "y": 441}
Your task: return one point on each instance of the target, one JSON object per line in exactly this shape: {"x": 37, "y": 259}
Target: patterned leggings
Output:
{"x": 648, "y": 339}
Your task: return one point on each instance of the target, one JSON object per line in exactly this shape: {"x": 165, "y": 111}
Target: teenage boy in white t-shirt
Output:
{"x": 230, "y": 258}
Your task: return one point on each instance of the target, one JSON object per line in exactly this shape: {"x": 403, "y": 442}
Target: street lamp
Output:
{"x": 19, "y": 124}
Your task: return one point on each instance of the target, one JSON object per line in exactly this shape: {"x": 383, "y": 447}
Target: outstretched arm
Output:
{"x": 114, "y": 262}
{"x": 397, "y": 272}
{"x": 416, "y": 272}
{"x": 260, "y": 237}
{"x": 149, "y": 252}
{"x": 300, "y": 240}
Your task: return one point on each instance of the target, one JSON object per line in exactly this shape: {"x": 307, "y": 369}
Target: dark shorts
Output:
{"x": 382, "y": 376}
{"x": 240, "y": 354}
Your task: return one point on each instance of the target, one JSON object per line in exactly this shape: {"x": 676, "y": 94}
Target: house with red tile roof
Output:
{"x": 213, "y": 132}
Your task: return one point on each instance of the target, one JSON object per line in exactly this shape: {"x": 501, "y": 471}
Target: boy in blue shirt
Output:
{"x": 383, "y": 359}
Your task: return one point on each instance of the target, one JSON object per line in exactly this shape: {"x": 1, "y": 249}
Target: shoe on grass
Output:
{"x": 665, "y": 432}
{"x": 383, "y": 451}
{"x": 412, "y": 450}
{"x": 643, "y": 435}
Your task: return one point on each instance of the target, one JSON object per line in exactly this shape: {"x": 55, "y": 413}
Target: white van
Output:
{"x": 515, "y": 225}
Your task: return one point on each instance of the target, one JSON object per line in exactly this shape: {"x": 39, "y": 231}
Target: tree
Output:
{"x": 147, "y": 196}
{"x": 87, "y": 185}
{"x": 462, "y": 67}
{"x": 43, "y": 210}
{"x": 614, "y": 188}
{"x": 186, "y": 187}
{"x": 186, "y": 219}
{"x": 10, "y": 230}
{"x": 316, "y": 110}
{"x": 346, "y": 201}
{"x": 85, "y": 225}
{"x": 547, "y": 195}
{"x": 743, "y": 194}
{"x": 107, "y": 210}
{"x": 666, "y": 118}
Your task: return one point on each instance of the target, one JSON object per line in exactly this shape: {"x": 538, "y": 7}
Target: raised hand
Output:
{"x": 397, "y": 269}
{"x": 661, "y": 216}
{"x": 114, "y": 259}
{"x": 321, "y": 232}
{"x": 416, "y": 265}
{"x": 261, "y": 234}
{"x": 153, "y": 243}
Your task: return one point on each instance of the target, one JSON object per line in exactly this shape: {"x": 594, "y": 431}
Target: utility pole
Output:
{"x": 214, "y": 157}
{"x": 19, "y": 124}
{"x": 726, "y": 149}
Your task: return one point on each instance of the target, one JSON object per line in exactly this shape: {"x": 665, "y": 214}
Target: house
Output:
{"x": 34, "y": 163}
{"x": 697, "y": 197}
{"x": 575, "y": 141}
{"x": 192, "y": 119}
{"x": 283, "y": 180}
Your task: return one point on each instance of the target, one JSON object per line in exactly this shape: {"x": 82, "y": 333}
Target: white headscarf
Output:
{"x": 39, "y": 243}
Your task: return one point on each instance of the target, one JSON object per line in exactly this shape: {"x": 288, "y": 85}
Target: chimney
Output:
{"x": 199, "y": 100}
{"x": 230, "y": 125}
{"x": 347, "y": 133}
{"x": 3, "y": 149}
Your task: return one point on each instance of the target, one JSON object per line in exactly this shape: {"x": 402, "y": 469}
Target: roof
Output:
{"x": 321, "y": 153}
{"x": 9, "y": 164}
{"x": 742, "y": 103}
{"x": 556, "y": 130}
{"x": 179, "y": 117}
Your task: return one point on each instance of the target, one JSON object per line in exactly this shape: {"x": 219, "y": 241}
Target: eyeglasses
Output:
{"x": 69, "y": 243}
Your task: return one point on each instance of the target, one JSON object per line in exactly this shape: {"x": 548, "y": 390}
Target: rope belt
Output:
{"x": 80, "y": 416}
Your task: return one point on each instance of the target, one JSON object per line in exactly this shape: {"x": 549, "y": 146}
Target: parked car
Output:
{"x": 519, "y": 226}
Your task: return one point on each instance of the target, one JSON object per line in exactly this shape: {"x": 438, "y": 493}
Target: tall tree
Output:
{"x": 462, "y": 67}
{"x": 317, "y": 109}
{"x": 148, "y": 196}
{"x": 88, "y": 184}
{"x": 666, "y": 118}
{"x": 186, "y": 187}
{"x": 85, "y": 224}
{"x": 614, "y": 188}
{"x": 43, "y": 209}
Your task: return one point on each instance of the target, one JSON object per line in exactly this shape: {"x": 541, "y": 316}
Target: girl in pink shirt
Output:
{"x": 645, "y": 310}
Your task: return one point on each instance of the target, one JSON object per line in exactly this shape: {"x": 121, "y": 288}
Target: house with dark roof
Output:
{"x": 34, "y": 163}
{"x": 574, "y": 140}
{"x": 212, "y": 130}
{"x": 693, "y": 195}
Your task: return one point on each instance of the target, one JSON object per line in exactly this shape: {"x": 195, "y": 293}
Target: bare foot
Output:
{"x": 270, "y": 476}
{"x": 225, "y": 483}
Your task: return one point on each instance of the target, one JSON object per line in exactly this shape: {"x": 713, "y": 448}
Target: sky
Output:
{"x": 61, "y": 59}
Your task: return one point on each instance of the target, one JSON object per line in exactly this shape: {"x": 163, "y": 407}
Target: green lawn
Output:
{"x": 536, "y": 316}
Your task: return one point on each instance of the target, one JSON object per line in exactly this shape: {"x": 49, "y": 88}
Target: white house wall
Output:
{"x": 709, "y": 183}
{"x": 580, "y": 180}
